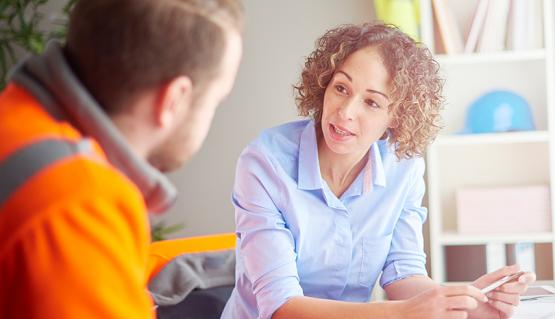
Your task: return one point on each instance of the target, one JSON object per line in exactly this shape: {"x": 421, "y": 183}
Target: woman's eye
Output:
{"x": 372, "y": 104}
{"x": 341, "y": 89}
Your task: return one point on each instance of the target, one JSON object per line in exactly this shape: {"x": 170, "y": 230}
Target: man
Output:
{"x": 86, "y": 130}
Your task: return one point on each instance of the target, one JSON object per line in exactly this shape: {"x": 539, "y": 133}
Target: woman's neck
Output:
{"x": 338, "y": 170}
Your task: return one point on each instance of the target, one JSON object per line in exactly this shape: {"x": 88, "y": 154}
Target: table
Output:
{"x": 537, "y": 309}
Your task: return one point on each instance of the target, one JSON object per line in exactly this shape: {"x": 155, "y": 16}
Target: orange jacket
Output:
{"x": 75, "y": 236}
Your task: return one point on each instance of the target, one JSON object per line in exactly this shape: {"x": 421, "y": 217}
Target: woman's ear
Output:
{"x": 393, "y": 123}
{"x": 175, "y": 98}
{"x": 385, "y": 135}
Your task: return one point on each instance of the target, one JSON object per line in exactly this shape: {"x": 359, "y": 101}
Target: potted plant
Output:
{"x": 24, "y": 29}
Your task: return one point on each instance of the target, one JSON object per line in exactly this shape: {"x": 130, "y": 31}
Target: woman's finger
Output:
{"x": 527, "y": 278}
{"x": 513, "y": 288}
{"x": 502, "y": 307}
{"x": 519, "y": 286}
{"x": 464, "y": 291}
{"x": 487, "y": 279}
{"x": 461, "y": 303}
{"x": 456, "y": 314}
{"x": 508, "y": 298}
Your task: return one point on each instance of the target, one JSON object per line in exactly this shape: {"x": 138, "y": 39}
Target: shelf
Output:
{"x": 493, "y": 57}
{"x": 454, "y": 239}
{"x": 457, "y": 160}
{"x": 493, "y": 138}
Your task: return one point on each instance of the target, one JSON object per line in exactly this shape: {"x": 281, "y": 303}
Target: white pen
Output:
{"x": 501, "y": 281}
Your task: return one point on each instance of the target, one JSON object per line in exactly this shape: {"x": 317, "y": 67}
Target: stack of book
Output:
{"x": 496, "y": 25}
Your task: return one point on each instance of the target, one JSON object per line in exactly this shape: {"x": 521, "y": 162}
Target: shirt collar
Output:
{"x": 378, "y": 171}
{"x": 309, "y": 166}
{"x": 372, "y": 174}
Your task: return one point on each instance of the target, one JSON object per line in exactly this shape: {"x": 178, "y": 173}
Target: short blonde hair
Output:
{"x": 416, "y": 85}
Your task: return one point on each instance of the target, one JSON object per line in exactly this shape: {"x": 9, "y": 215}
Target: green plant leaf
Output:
{"x": 3, "y": 6}
{"x": 160, "y": 231}
{"x": 20, "y": 27}
{"x": 69, "y": 6}
{"x": 36, "y": 44}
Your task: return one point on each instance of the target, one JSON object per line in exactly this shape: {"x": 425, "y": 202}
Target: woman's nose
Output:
{"x": 347, "y": 110}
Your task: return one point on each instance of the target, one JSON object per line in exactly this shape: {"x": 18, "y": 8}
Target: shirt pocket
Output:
{"x": 374, "y": 251}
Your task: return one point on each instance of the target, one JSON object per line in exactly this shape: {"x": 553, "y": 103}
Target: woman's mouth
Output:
{"x": 339, "y": 133}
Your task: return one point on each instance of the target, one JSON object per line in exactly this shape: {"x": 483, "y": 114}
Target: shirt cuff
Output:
{"x": 275, "y": 294}
{"x": 398, "y": 270}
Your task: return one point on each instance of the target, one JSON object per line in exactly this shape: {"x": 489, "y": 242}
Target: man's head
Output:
{"x": 158, "y": 68}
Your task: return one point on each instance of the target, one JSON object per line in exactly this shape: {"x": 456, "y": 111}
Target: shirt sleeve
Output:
{"x": 84, "y": 258}
{"x": 266, "y": 246}
{"x": 406, "y": 255}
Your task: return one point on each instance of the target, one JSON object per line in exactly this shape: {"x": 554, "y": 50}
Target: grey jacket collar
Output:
{"x": 50, "y": 79}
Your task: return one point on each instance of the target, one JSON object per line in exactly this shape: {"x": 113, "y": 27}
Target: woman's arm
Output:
{"x": 406, "y": 258}
{"x": 267, "y": 273}
{"x": 502, "y": 301}
{"x": 409, "y": 287}
{"x": 308, "y": 307}
{"x": 437, "y": 302}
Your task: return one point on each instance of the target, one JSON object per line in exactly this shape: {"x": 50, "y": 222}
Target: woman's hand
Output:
{"x": 504, "y": 299}
{"x": 442, "y": 302}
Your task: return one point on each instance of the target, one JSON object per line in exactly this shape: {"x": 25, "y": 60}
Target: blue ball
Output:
{"x": 499, "y": 111}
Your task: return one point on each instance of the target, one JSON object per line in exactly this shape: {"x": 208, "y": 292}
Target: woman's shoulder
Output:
{"x": 278, "y": 144}
{"x": 392, "y": 162}
{"x": 281, "y": 139}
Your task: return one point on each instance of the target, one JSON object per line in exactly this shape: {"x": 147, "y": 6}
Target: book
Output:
{"x": 404, "y": 14}
{"x": 495, "y": 27}
{"x": 449, "y": 31}
{"x": 525, "y": 28}
{"x": 476, "y": 26}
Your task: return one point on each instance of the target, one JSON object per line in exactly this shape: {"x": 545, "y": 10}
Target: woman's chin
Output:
{"x": 339, "y": 148}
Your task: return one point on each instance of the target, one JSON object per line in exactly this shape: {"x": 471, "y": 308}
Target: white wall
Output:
{"x": 279, "y": 34}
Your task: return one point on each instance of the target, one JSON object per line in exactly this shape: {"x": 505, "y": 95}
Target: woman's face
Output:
{"x": 355, "y": 112}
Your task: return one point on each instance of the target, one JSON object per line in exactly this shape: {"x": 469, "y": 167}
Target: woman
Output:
{"x": 324, "y": 206}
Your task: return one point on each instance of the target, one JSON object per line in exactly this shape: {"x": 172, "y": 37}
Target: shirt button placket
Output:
{"x": 344, "y": 239}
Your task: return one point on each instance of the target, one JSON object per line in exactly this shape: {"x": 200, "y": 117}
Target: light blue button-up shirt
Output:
{"x": 295, "y": 237}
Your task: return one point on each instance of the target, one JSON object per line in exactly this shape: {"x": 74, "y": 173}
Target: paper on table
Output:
{"x": 536, "y": 309}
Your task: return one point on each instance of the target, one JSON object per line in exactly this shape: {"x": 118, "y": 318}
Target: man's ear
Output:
{"x": 175, "y": 98}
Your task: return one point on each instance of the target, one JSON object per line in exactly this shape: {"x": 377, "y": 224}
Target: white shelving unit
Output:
{"x": 499, "y": 138}
{"x": 504, "y": 159}
{"x": 494, "y": 57}
{"x": 454, "y": 239}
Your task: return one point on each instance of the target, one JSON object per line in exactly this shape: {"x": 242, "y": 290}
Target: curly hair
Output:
{"x": 414, "y": 79}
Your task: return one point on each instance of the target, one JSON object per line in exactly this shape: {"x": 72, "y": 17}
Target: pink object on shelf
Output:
{"x": 503, "y": 210}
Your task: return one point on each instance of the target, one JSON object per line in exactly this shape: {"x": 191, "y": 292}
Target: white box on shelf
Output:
{"x": 518, "y": 209}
